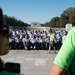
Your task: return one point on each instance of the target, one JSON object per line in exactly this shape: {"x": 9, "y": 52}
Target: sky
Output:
{"x": 29, "y": 11}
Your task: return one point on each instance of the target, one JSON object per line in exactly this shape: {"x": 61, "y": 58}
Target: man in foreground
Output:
{"x": 4, "y": 43}
{"x": 64, "y": 63}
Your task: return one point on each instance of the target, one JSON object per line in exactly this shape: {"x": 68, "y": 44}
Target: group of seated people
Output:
{"x": 30, "y": 40}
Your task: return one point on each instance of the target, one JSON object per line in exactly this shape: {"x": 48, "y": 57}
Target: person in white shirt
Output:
{"x": 32, "y": 40}
{"x": 25, "y": 42}
{"x": 17, "y": 42}
{"x": 40, "y": 42}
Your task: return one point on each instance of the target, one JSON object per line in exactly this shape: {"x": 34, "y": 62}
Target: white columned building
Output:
{"x": 37, "y": 26}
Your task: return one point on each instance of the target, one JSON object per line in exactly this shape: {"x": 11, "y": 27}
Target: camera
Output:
{"x": 9, "y": 66}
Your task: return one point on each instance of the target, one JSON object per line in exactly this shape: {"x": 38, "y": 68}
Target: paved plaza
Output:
{"x": 33, "y": 62}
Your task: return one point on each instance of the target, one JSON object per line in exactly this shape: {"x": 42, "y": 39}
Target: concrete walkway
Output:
{"x": 33, "y": 62}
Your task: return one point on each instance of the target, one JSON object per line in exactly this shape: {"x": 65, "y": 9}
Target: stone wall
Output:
{"x": 38, "y": 28}
{"x": 58, "y": 29}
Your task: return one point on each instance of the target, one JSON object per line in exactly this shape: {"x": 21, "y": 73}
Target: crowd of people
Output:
{"x": 28, "y": 40}
{"x": 25, "y": 39}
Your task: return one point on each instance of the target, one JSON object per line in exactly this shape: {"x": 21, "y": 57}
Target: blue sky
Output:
{"x": 35, "y": 10}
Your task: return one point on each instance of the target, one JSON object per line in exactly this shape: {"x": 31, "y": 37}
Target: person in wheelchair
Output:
{"x": 5, "y": 68}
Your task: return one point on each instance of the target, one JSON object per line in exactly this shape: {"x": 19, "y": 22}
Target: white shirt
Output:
{"x": 32, "y": 40}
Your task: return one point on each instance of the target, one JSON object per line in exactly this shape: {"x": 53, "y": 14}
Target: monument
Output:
{"x": 37, "y": 26}
{"x": 68, "y": 27}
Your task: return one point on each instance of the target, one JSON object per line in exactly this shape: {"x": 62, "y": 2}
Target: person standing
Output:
{"x": 64, "y": 37}
{"x": 64, "y": 63}
{"x": 52, "y": 41}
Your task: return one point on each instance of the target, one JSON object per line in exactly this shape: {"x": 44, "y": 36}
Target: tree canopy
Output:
{"x": 68, "y": 16}
{"x": 12, "y": 21}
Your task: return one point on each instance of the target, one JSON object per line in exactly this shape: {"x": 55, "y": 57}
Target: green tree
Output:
{"x": 12, "y": 21}
{"x": 72, "y": 17}
{"x": 47, "y": 24}
{"x": 55, "y": 22}
{"x": 64, "y": 18}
